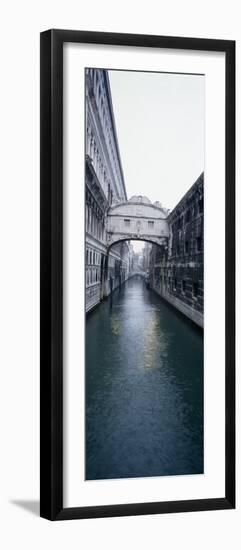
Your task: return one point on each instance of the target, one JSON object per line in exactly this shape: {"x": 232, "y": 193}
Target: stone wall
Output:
{"x": 176, "y": 273}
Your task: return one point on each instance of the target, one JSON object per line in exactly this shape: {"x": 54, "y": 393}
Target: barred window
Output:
{"x": 200, "y": 205}
{"x": 188, "y": 215}
{"x": 199, "y": 244}
{"x": 195, "y": 289}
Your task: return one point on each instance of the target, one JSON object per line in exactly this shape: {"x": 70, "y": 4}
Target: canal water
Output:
{"x": 144, "y": 388}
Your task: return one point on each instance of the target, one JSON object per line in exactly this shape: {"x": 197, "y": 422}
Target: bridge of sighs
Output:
{"x": 137, "y": 219}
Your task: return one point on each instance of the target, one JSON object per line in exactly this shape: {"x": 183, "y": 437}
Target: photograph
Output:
{"x": 144, "y": 273}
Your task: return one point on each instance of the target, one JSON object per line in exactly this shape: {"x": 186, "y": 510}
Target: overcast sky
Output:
{"x": 160, "y": 127}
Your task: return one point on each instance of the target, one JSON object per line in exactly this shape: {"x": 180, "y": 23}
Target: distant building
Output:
{"x": 146, "y": 256}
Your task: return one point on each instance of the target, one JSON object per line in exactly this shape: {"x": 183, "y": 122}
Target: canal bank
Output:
{"x": 144, "y": 388}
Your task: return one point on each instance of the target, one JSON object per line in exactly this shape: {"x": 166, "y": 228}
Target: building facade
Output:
{"x": 176, "y": 271}
{"x": 104, "y": 186}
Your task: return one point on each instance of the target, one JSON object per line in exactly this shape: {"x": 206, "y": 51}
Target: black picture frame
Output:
{"x": 51, "y": 325}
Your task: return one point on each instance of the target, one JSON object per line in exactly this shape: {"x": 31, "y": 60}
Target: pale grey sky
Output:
{"x": 160, "y": 127}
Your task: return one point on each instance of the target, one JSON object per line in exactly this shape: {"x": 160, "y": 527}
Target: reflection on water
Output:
{"x": 144, "y": 388}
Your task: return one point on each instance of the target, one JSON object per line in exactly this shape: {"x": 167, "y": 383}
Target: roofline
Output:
{"x": 109, "y": 99}
{"x": 124, "y": 203}
{"x": 186, "y": 194}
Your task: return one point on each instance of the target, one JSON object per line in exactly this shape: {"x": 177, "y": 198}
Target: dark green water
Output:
{"x": 144, "y": 388}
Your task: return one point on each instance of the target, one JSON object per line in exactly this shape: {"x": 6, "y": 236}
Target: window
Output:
{"x": 187, "y": 216}
{"x": 183, "y": 286}
{"x": 127, "y": 222}
{"x": 150, "y": 224}
{"x": 199, "y": 244}
{"x": 200, "y": 206}
{"x": 174, "y": 284}
{"x": 179, "y": 222}
{"x": 195, "y": 289}
{"x": 87, "y": 218}
{"x": 186, "y": 247}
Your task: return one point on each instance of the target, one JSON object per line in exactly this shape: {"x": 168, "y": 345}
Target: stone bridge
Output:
{"x": 137, "y": 219}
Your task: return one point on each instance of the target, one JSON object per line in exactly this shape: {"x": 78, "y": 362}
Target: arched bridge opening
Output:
{"x": 120, "y": 262}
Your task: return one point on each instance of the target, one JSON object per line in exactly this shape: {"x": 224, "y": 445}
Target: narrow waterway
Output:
{"x": 144, "y": 388}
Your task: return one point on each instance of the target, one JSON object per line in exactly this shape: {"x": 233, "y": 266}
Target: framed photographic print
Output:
{"x": 137, "y": 274}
